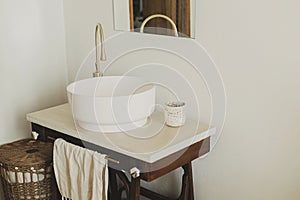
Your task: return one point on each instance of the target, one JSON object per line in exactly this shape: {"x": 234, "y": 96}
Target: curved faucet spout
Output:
{"x": 99, "y": 35}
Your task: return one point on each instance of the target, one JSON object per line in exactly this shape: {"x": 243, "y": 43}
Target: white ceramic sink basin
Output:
{"x": 111, "y": 103}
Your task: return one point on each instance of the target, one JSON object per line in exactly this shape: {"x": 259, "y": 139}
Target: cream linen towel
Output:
{"x": 81, "y": 174}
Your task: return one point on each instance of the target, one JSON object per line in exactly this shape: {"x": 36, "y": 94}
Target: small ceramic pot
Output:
{"x": 175, "y": 113}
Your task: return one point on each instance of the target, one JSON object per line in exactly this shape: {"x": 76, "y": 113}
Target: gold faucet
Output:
{"x": 159, "y": 16}
{"x": 99, "y": 33}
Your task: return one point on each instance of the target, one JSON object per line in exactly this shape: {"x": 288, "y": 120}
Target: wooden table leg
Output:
{"x": 187, "y": 189}
{"x": 125, "y": 184}
{"x": 191, "y": 181}
{"x": 134, "y": 193}
{"x": 184, "y": 195}
{"x": 113, "y": 186}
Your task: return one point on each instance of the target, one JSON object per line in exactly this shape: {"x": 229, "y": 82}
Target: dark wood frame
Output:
{"x": 149, "y": 171}
{"x": 183, "y": 19}
{"x": 131, "y": 15}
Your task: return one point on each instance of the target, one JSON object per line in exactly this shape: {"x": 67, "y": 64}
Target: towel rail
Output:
{"x": 35, "y": 136}
{"x": 112, "y": 160}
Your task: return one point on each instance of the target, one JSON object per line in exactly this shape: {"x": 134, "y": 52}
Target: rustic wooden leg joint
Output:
{"x": 134, "y": 193}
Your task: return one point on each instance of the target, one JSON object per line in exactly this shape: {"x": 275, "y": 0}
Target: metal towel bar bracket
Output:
{"x": 34, "y": 135}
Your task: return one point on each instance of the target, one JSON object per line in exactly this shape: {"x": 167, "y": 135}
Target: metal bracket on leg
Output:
{"x": 34, "y": 135}
{"x": 135, "y": 172}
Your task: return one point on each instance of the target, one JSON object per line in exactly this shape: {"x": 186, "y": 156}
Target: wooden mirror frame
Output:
{"x": 178, "y": 10}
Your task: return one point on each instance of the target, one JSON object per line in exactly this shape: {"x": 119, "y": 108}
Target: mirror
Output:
{"x": 156, "y": 16}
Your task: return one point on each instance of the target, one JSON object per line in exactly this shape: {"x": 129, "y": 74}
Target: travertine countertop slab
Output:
{"x": 149, "y": 143}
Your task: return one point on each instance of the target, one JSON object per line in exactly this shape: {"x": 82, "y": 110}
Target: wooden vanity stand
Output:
{"x": 175, "y": 148}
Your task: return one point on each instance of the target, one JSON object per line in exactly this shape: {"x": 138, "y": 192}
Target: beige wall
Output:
{"x": 32, "y": 62}
{"x": 256, "y": 46}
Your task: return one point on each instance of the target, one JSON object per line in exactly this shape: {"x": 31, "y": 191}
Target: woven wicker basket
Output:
{"x": 26, "y": 170}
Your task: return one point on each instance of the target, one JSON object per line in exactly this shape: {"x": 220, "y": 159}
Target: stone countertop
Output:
{"x": 149, "y": 143}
